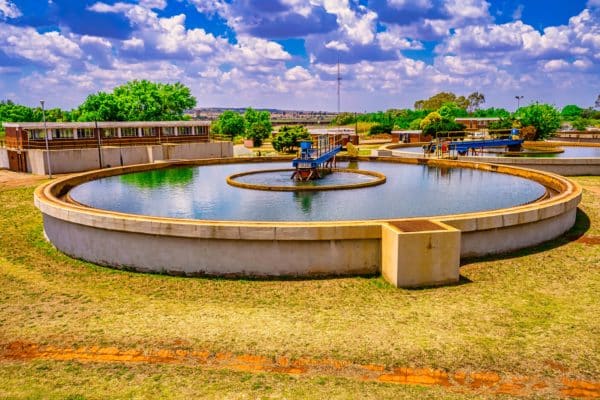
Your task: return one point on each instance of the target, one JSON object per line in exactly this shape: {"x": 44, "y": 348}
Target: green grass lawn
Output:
{"x": 522, "y": 313}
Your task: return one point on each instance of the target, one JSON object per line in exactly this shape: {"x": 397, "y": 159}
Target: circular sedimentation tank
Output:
{"x": 184, "y": 218}
{"x": 564, "y": 158}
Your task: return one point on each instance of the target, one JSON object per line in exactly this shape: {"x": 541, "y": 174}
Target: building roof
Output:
{"x": 409, "y": 132}
{"x": 107, "y": 124}
{"x": 331, "y": 131}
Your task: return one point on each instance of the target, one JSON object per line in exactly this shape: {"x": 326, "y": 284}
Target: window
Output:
{"x": 36, "y": 134}
{"x": 152, "y": 131}
{"x": 63, "y": 133}
{"x": 85, "y": 133}
{"x": 108, "y": 132}
{"x": 128, "y": 132}
{"x": 201, "y": 130}
{"x": 185, "y": 130}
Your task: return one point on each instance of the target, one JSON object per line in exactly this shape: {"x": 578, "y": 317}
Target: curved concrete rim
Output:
{"x": 379, "y": 179}
{"x": 50, "y": 198}
{"x": 407, "y": 252}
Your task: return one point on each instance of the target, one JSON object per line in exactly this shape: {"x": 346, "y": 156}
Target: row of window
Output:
{"x": 88, "y": 133}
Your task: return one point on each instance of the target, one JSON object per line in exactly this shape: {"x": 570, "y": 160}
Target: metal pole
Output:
{"x": 518, "y": 101}
{"x": 46, "y": 137}
{"x": 339, "y": 82}
{"x": 99, "y": 148}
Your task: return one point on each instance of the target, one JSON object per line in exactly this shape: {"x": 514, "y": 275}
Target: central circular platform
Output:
{"x": 279, "y": 180}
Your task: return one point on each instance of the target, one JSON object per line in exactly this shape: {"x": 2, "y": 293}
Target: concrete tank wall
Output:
{"x": 198, "y": 150}
{"x": 511, "y": 238}
{"x": 198, "y": 256}
{"x": 79, "y": 160}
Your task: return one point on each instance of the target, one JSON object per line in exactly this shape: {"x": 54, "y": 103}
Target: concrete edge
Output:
{"x": 380, "y": 179}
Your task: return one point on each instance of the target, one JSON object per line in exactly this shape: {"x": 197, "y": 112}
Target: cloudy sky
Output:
{"x": 283, "y": 53}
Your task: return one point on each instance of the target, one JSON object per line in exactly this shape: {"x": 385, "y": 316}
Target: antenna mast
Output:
{"x": 339, "y": 83}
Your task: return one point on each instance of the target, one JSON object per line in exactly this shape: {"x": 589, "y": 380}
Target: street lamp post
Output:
{"x": 46, "y": 137}
{"x": 518, "y": 101}
{"x": 97, "y": 132}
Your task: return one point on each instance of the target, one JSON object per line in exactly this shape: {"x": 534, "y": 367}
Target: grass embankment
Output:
{"x": 530, "y": 313}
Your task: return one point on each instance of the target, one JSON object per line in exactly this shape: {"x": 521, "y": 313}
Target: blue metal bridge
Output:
{"x": 314, "y": 158}
{"x": 463, "y": 147}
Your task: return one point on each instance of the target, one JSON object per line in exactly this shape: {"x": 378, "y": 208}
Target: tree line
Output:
{"x": 134, "y": 101}
{"x": 437, "y": 114}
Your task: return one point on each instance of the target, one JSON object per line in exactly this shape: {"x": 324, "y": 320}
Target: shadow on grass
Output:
{"x": 582, "y": 225}
{"x": 239, "y": 277}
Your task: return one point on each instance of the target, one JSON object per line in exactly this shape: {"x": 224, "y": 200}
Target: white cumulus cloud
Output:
{"x": 9, "y": 10}
{"x": 337, "y": 45}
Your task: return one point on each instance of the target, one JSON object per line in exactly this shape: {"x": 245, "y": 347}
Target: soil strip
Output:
{"x": 459, "y": 381}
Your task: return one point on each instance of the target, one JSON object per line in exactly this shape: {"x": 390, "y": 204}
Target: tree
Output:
{"x": 434, "y": 122}
{"x": 344, "y": 118}
{"x": 543, "y": 117}
{"x": 597, "y": 103}
{"x": 435, "y": 101}
{"x": 462, "y": 102}
{"x": 289, "y": 137}
{"x": 258, "y": 125}
{"x": 415, "y": 124}
{"x": 138, "y": 101}
{"x": 430, "y": 121}
{"x": 503, "y": 123}
{"x": 380, "y": 128}
{"x": 571, "y": 112}
{"x": 11, "y": 112}
{"x": 581, "y": 124}
{"x": 590, "y": 113}
{"x": 491, "y": 112}
{"x": 475, "y": 100}
{"x": 100, "y": 107}
{"x": 230, "y": 123}
{"x": 438, "y": 100}
{"x": 451, "y": 110}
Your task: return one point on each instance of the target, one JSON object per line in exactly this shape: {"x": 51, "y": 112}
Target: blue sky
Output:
{"x": 283, "y": 53}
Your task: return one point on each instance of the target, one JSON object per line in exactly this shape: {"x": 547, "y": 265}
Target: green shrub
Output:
{"x": 380, "y": 128}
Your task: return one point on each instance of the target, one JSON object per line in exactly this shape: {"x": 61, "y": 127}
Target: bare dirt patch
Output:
{"x": 480, "y": 382}
{"x": 593, "y": 189}
{"x": 590, "y": 240}
{"x": 10, "y": 179}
